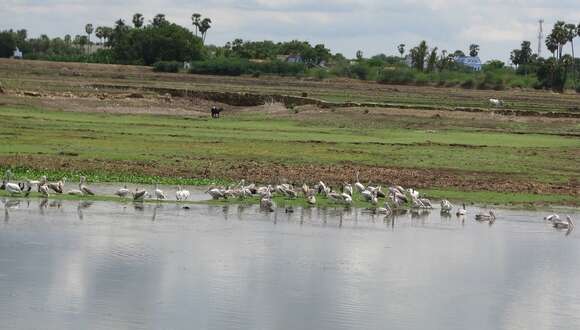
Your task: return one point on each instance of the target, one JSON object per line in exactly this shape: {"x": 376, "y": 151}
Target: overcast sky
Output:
{"x": 345, "y": 26}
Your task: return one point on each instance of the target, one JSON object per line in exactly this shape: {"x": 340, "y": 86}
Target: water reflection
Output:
{"x": 316, "y": 268}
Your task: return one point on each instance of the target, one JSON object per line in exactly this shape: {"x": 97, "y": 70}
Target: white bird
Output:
{"x": 486, "y": 217}
{"x": 414, "y": 193}
{"x": 461, "y": 211}
{"x": 123, "y": 192}
{"x": 446, "y": 206}
{"x": 426, "y": 203}
{"x": 552, "y": 217}
{"x": 367, "y": 195}
{"x": 75, "y": 192}
{"x": 44, "y": 191}
{"x": 159, "y": 194}
{"x": 11, "y": 188}
{"x": 359, "y": 186}
{"x": 347, "y": 199}
{"x": 567, "y": 224}
{"x": 347, "y": 189}
{"x": 181, "y": 194}
{"x": 311, "y": 199}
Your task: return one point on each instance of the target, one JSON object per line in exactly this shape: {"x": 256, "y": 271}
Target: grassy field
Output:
{"x": 480, "y": 156}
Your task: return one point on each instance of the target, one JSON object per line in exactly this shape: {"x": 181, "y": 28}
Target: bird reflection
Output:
{"x": 82, "y": 206}
{"x": 155, "y": 208}
{"x": 138, "y": 206}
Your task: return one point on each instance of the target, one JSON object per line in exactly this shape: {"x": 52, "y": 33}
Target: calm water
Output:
{"x": 78, "y": 265}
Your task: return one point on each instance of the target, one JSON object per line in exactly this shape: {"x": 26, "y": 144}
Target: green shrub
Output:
{"x": 164, "y": 66}
{"x": 401, "y": 76}
{"x": 236, "y": 67}
{"x": 467, "y": 84}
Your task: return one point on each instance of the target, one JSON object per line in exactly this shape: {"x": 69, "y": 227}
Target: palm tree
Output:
{"x": 473, "y": 50}
{"x": 204, "y": 26}
{"x": 99, "y": 33}
{"x": 560, "y": 36}
{"x": 159, "y": 20}
{"x": 401, "y": 49}
{"x": 89, "y": 30}
{"x": 552, "y": 44}
{"x": 195, "y": 20}
{"x": 571, "y": 33}
{"x": 138, "y": 20}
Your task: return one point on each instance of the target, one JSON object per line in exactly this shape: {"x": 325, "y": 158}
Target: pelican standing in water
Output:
{"x": 139, "y": 195}
{"x": 486, "y": 217}
{"x": 83, "y": 188}
{"x": 159, "y": 194}
{"x": 11, "y": 188}
{"x": 461, "y": 211}
{"x": 564, "y": 224}
{"x": 446, "y": 206}
{"x": 552, "y": 217}
{"x": 181, "y": 194}
{"x": 123, "y": 192}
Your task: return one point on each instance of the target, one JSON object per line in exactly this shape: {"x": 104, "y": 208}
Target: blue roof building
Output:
{"x": 472, "y": 62}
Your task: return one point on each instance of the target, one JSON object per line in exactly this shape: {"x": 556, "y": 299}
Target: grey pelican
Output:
{"x": 123, "y": 192}
{"x": 567, "y": 224}
{"x": 84, "y": 188}
{"x": 44, "y": 191}
{"x": 552, "y": 217}
{"x": 486, "y": 217}
{"x": 139, "y": 195}
{"x": 216, "y": 193}
{"x": 57, "y": 187}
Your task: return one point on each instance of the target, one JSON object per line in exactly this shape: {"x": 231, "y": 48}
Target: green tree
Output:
{"x": 432, "y": 60}
{"x": 458, "y": 53}
{"x": 571, "y": 33}
{"x": 67, "y": 39}
{"x": 159, "y": 20}
{"x": 138, "y": 20}
{"x": 560, "y": 36}
{"x": 7, "y": 43}
{"x": 418, "y": 55}
{"x": 89, "y": 30}
{"x": 401, "y": 49}
{"x": 196, "y": 21}
{"x": 473, "y": 50}
{"x": 204, "y": 26}
{"x": 551, "y": 44}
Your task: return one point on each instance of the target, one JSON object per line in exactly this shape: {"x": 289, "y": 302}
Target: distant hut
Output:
{"x": 17, "y": 54}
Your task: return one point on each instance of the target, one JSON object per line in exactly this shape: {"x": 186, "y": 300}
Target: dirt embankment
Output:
{"x": 298, "y": 174}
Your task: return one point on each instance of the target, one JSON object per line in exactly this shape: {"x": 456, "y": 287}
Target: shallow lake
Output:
{"x": 104, "y": 265}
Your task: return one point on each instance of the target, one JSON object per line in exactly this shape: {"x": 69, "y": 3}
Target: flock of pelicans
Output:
{"x": 395, "y": 198}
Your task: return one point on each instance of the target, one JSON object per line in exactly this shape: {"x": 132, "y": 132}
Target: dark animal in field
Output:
{"x": 215, "y": 112}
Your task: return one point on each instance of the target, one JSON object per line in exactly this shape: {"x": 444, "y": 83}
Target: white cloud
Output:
{"x": 343, "y": 25}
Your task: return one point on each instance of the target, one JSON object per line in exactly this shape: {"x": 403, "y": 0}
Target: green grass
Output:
{"x": 183, "y": 142}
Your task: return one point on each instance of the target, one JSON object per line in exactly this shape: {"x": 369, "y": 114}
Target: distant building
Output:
{"x": 290, "y": 58}
{"x": 472, "y": 62}
{"x": 17, "y": 54}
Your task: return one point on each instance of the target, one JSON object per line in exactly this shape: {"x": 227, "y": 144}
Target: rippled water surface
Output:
{"x": 101, "y": 265}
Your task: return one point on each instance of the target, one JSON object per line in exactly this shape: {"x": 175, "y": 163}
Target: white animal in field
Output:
{"x": 496, "y": 103}
{"x": 123, "y": 192}
{"x": 159, "y": 194}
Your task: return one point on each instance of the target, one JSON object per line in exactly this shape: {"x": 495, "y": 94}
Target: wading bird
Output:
{"x": 486, "y": 217}
{"x": 123, "y": 192}
{"x": 181, "y": 194}
{"x": 564, "y": 224}
{"x": 552, "y": 217}
{"x": 11, "y": 188}
{"x": 159, "y": 194}
{"x": 446, "y": 206}
{"x": 84, "y": 188}
{"x": 139, "y": 195}
{"x": 461, "y": 211}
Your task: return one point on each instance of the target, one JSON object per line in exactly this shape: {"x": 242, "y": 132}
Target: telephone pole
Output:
{"x": 540, "y": 37}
